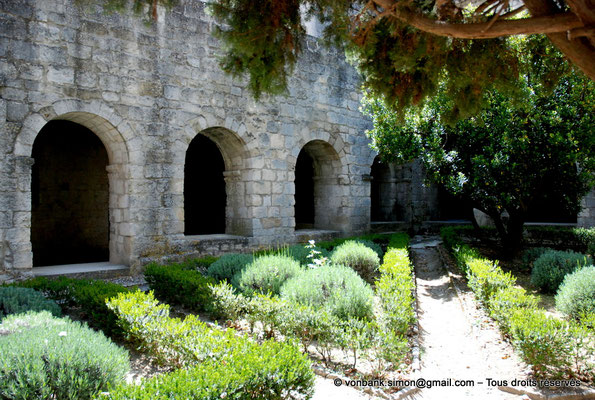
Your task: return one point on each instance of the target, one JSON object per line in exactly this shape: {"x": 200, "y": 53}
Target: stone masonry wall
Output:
{"x": 146, "y": 91}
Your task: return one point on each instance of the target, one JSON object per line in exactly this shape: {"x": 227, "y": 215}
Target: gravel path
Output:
{"x": 457, "y": 341}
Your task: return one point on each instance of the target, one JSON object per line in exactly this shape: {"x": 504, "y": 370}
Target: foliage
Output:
{"x": 533, "y": 253}
{"x": 555, "y": 348}
{"x": 359, "y": 256}
{"x": 17, "y": 300}
{"x": 486, "y": 278}
{"x": 307, "y": 254}
{"x": 267, "y": 274}
{"x": 43, "y": 357}
{"x": 576, "y": 295}
{"x": 552, "y": 266}
{"x": 228, "y": 265}
{"x": 270, "y": 369}
{"x": 337, "y": 288}
{"x": 513, "y": 154}
{"x": 405, "y": 51}
{"x": 177, "y": 285}
{"x": 395, "y": 288}
{"x": 88, "y": 294}
{"x": 544, "y": 342}
{"x": 507, "y": 300}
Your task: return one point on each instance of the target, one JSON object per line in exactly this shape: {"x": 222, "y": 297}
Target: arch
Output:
{"x": 383, "y": 192}
{"x": 70, "y": 196}
{"x": 97, "y": 117}
{"x": 115, "y": 134}
{"x": 319, "y": 195}
{"x": 236, "y": 159}
{"x": 204, "y": 188}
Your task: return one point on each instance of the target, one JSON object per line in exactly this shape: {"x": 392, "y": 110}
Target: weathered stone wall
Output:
{"x": 146, "y": 91}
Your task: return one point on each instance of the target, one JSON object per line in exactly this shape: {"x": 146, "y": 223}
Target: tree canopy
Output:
{"x": 510, "y": 156}
{"x": 405, "y": 49}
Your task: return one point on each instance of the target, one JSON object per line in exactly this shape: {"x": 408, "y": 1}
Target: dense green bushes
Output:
{"x": 177, "y": 285}
{"x": 576, "y": 296}
{"x": 267, "y": 371}
{"x": 17, "y": 300}
{"x": 43, "y": 357}
{"x": 552, "y": 266}
{"x": 337, "y": 288}
{"x": 358, "y": 256}
{"x": 555, "y": 348}
{"x": 266, "y": 274}
{"x": 89, "y": 295}
{"x": 228, "y": 265}
{"x": 382, "y": 338}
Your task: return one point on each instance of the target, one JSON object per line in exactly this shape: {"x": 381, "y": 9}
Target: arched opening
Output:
{"x": 304, "y": 191}
{"x": 318, "y": 194}
{"x": 383, "y": 193}
{"x": 204, "y": 188}
{"x": 70, "y": 196}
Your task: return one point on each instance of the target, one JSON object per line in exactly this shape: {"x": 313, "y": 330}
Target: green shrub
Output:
{"x": 485, "y": 278}
{"x": 552, "y": 266}
{"x": 226, "y": 302}
{"x": 358, "y": 256}
{"x": 229, "y": 265}
{"x": 507, "y": 300}
{"x": 174, "y": 284}
{"x": 398, "y": 241}
{"x": 88, "y": 294}
{"x": 533, "y": 253}
{"x": 218, "y": 362}
{"x": 17, "y": 300}
{"x": 267, "y": 274}
{"x": 576, "y": 295}
{"x": 337, "y": 288}
{"x": 544, "y": 342}
{"x": 271, "y": 371}
{"x": 395, "y": 289}
{"x": 43, "y": 357}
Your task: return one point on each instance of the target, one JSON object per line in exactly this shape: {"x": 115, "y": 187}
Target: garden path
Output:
{"x": 457, "y": 340}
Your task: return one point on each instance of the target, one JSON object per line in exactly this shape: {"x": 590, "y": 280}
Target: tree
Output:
{"x": 406, "y": 49}
{"x": 507, "y": 157}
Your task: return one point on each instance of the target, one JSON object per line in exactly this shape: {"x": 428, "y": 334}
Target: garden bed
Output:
{"x": 267, "y": 328}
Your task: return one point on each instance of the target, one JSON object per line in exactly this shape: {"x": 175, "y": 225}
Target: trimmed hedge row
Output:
{"x": 218, "y": 363}
{"x": 555, "y": 348}
{"x": 395, "y": 286}
{"x": 177, "y": 284}
{"x": 88, "y": 294}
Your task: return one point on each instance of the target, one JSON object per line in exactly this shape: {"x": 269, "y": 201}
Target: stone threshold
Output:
{"x": 94, "y": 269}
{"x": 303, "y": 235}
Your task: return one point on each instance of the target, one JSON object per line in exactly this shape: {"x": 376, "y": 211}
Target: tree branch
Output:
{"x": 542, "y": 24}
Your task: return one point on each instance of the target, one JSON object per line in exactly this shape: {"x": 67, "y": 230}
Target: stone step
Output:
{"x": 95, "y": 270}
{"x": 390, "y": 226}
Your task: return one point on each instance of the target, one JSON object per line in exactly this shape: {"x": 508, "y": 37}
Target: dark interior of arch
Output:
{"x": 383, "y": 207}
{"x": 70, "y": 196}
{"x": 453, "y": 208}
{"x": 304, "y": 191}
{"x": 204, "y": 188}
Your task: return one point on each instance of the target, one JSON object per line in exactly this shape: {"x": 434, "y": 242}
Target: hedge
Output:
{"x": 217, "y": 363}
{"x": 555, "y": 348}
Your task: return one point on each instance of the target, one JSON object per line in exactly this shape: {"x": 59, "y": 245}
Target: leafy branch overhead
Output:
{"x": 405, "y": 48}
